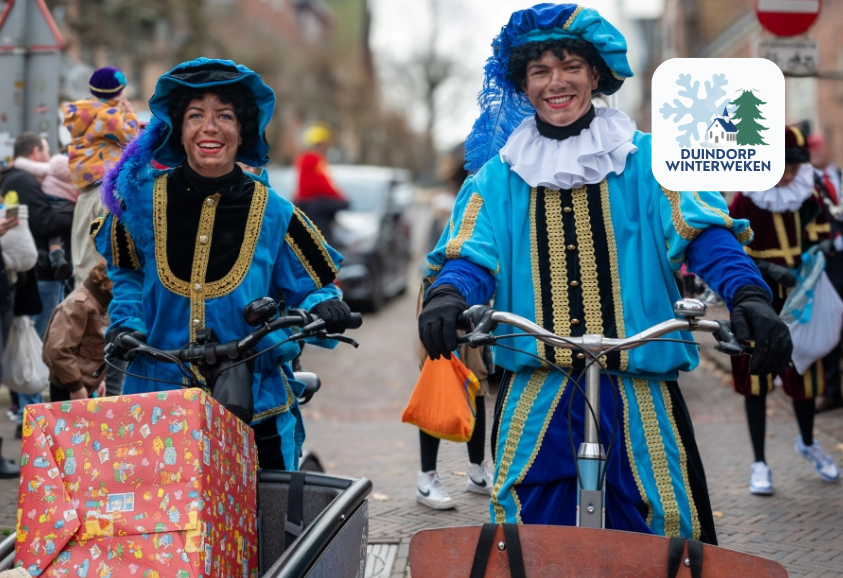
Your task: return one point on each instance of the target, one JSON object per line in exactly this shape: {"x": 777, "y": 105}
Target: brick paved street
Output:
{"x": 354, "y": 426}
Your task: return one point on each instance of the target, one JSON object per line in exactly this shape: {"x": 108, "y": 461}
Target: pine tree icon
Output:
{"x": 749, "y": 131}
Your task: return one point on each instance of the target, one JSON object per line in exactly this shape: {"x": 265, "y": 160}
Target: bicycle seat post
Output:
{"x": 591, "y": 455}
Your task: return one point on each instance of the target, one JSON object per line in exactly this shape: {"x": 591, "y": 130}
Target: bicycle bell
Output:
{"x": 260, "y": 311}
{"x": 689, "y": 308}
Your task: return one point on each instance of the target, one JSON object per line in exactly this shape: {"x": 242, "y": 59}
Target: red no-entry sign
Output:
{"x": 787, "y": 17}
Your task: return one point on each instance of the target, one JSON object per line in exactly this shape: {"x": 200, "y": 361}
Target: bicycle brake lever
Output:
{"x": 342, "y": 338}
{"x": 727, "y": 342}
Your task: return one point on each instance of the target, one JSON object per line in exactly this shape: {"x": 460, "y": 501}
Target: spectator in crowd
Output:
{"x": 74, "y": 341}
{"x": 828, "y": 177}
{"x": 795, "y": 207}
{"x": 317, "y": 195}
{"x": 100, "y": 128}
{"x": 57, "y": 185}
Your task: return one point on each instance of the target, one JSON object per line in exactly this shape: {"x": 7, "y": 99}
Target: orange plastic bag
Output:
{"x": 442, "y": 403}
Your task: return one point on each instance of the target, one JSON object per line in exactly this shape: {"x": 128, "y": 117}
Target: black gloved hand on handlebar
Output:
{"x": 777, "y": 273}
{"x": 334, "y": 313}
{"x": 120, "y": 352}
{"x": 753, "y": 318}
{"x": 438, "y": 320}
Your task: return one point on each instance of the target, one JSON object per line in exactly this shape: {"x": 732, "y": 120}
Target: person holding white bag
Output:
{"x": 787, "y": 220}
{"x": 17, "y": 253}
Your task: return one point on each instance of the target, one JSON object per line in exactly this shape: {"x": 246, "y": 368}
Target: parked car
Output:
{"x": 373, "y": 235}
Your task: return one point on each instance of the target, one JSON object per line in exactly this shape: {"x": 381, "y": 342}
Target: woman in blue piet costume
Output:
{"x": 190, "y": 246}
{"x": 562, "y": 222}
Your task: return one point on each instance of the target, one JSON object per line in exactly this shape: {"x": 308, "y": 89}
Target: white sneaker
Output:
{"x": 761, "y": 482}
{"x": 479, "y": 479}
{"x": 814, "y": 453}
{"x": 429, "y": 491}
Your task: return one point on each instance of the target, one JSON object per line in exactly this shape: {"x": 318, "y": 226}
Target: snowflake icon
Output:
{"x": 701, "y": 110}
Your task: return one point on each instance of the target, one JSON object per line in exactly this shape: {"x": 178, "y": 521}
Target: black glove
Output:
{"x": 334, "y": 313}
{"x": 753, "y": 318}
{"x": 781, "y": 275}
{"x": 120, "y": 352}
{"x": 826, "y": 246}
{"x": 438, "y": 320}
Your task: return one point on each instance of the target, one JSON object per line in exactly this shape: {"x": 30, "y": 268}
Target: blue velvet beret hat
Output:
{"x": 503, "y": 106}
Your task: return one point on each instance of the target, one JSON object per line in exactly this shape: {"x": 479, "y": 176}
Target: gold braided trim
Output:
{"x": 517, "y": 501}
{"x": 685, "y": 230}
{"x": 541, "y": 348}
{"x": 451, "y": 225}
{"x": 558, "y": 271}
{"x": 784, "y": 242}
{"x": 499, "y": 513}
{"x": 814, "y": 230}
{"x": 542, "y": 432}
{"x": 616, "y": 75}
{"x": 281, "y": 408}
{"x": 658, "y": 457}
{"x": 469, "y": 221}
{"x": 728, "y": 222}
{"x": 133, "y": 251}
{"x": 303, "y": 260}
{"x": 613, "y": 268}
{"x": 745, "y": 236}
{"x": 630, "y": 454}
{"x": 516, "y": 429}
{"x": 96, "y": 225}
{"x": 772, "y": 253}
{"x": 317, "y": 237}
{"x": 201, "y": 253}
{"x": 572, "y": 18}
{"x": 230, "y": 281}
{"x": 588, "y": 263}
{"x": 683, "y": 461}
{"x": 115, "y": 248}
{"x": 434, "y": 267}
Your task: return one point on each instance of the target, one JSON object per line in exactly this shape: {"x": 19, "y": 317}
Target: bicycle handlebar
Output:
{"x": 481, "y": 320}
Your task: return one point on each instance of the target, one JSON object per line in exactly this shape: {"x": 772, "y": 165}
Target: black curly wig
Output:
{"x": 243, "y": 101}
{"x": 524, "y": 54}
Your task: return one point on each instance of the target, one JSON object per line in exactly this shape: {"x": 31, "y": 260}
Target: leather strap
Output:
{"x": 513, "y": 548}
{"x": 293, "y": 521}
{"x": 695, "y": 555}
{"x": 674, "y": 556}
{"x": 483, "y": 550}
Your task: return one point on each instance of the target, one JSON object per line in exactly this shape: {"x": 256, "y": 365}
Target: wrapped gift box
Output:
{"x": 153, "y": 485}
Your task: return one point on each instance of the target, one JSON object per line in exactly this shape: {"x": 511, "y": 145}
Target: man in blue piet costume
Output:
{"x": 562, "y": 222}
{"x": 190, "y": 246}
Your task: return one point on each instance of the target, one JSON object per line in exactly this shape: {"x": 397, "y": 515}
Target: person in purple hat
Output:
{"x": 100, "y": 127}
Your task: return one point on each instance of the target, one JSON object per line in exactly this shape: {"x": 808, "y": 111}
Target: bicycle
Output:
{"x": 469, "y": 550}
{"x": 329, "y": 520}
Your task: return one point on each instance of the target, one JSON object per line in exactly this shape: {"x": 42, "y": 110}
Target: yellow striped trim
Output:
{"x": 469, "y": 221}
{"x": 317, "y": 237}
{"x": 434, "y": 267}
{"x": 499, "y": 513}
{"x": 303, "y": 260}
{"x": 683, "y": 461}
{"x": 588, "y": 263}
{"x": 814, "y": 230}
{"x": 658, "y": 457}
{"x": 516, "y": 429}
{"x": 685, "y": 230}
{"x": 614, "y": 268}
{"x": 571, "y": 19}
{"x": 541, "y": 348}
{"x": 784, "y": 242}
{"x": 629, "y": 453}
{"x": 559, "y": 271}
{"x": 773, "y": 253}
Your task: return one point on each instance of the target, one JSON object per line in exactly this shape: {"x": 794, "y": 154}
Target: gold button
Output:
{"x": 571, "y": 247}
{"x": 197, "y": 287}
{"x": 203, "y": 239}
{"x": 574, "y": 283}
{"x": 580, "y": 355}
{"x": 209, "y": 201}
{"x": 196, "y": 323}
{"x": 567, "y": 209}
{"x": 575, "y": 321}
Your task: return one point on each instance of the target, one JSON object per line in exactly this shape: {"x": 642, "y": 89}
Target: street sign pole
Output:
{"x": 30, "y": 53}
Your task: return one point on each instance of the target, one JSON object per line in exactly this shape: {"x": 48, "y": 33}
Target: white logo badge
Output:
{"x": 718, "y": 124}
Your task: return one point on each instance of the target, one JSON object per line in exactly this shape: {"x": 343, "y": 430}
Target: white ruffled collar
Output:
{"x": 579, "y": 160}
{"x": 788, "y": 197}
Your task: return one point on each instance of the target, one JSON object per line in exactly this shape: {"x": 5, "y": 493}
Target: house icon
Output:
{"x": 721, "y": 132}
